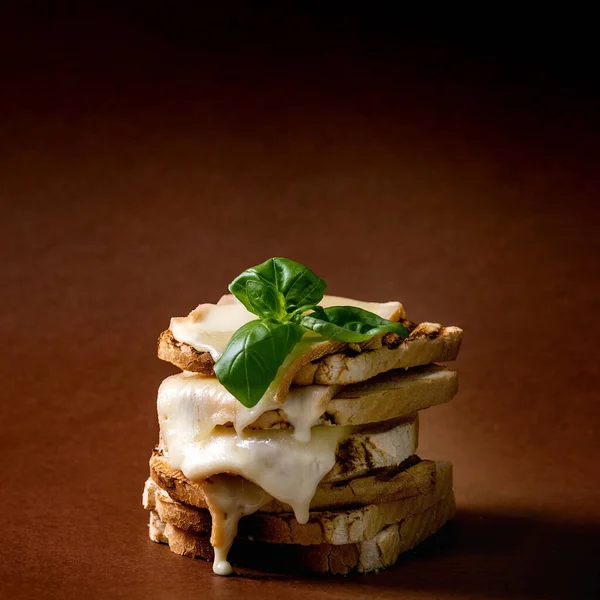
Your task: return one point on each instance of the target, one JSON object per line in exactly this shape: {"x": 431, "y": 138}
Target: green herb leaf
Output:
{"x": 281, "y": 292}
{"x": 253, "y": 356}
{"x": 277, "y": 288}
{"x": 349, "y": 324}
{"x": 264, "y": 300}
{"x": 258, "y": 296}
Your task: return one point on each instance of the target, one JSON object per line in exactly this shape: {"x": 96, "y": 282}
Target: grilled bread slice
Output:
{"x": 410, "y": 479}
{"x": 391, "y": 395}
{"x": 338, "y": 363}
{"x": 379, "y": 552}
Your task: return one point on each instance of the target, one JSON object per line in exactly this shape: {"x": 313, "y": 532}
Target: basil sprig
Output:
{"x": 284, "y": 295}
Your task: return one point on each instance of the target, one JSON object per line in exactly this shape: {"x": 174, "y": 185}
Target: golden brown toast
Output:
{"x": 379, "y": 552}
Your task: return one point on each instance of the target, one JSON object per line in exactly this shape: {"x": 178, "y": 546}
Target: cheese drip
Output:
{"x": 275, "y": 461}
{"x": 229, "y": 499}
{"x": 209, "y": 327}
{"x": 285, "y": 468}
{"x": 207, "y": 404}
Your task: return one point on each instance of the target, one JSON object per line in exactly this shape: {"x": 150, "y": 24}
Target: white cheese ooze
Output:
{"x": 229, "y": 499}
{"x": 203, "y": 403}
{"x": 304, "y": 407}
{"x": 209, "y": 327}
{"x": 280, "y": 465}
{"x": 283, "y": 467}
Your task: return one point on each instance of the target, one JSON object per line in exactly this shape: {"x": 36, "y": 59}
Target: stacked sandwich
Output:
{"x": 320, "y": 473}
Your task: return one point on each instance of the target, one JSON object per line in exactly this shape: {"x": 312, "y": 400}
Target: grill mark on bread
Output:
{"x": 369, "y": 449}
{"x": 353, "y": 453}
{"x": 187, "y": 358}
{"x": 330, "y": 418}
{"x": 388, "y": 474}
{"x": 348, "y": 455}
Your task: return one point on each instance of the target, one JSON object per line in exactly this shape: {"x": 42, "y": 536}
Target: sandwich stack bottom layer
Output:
{"x": 379, "y": 551}
{"x": 359, "y": 537}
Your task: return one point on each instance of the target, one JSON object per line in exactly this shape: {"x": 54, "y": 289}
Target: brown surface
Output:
{"x": 143, "y": 166}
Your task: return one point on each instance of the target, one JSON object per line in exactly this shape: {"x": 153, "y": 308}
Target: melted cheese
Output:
{"x": 229, "y": 499}
{"x": 285, "y": 468}
{"x": 209, "y": 327}
{"x": 204, "y": 403}
{"x": 304, "y": 406}
{"x": 280, "y": 465}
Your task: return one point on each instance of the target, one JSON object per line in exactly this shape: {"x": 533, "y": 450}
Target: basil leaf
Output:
{"x": 264, "y": 300}
{"x": 281, "y": 292}
{"x": 296, "y": 288}
{"x": 257, "y": 295}
{"x": 349, "y": 324}
{"x": 253, "y": 356}
{"x": 299, "y": 286}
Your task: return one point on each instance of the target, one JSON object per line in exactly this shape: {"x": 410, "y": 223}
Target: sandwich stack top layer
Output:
{"x": 193, "y": 345}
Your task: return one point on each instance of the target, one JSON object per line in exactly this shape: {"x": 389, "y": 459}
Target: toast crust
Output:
{"x": 184, "y": 356}
{"x": 379, "y": 552}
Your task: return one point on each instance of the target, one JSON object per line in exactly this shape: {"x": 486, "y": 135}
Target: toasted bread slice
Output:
{"x": 342, "y": 526}
{"x": 381, "y": 446}
{"x": 392, "y": 395}
{"x": 375, "y": 446}
{"x": 410, "y": 479}
{"x": 337, "y": 363}
{"x": 428, "y": 342}
{"x": 379, "y": 552}
{"x": 183, "y": 355}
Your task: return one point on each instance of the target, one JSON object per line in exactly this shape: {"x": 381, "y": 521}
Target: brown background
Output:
{"x": 147, "y": 158}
